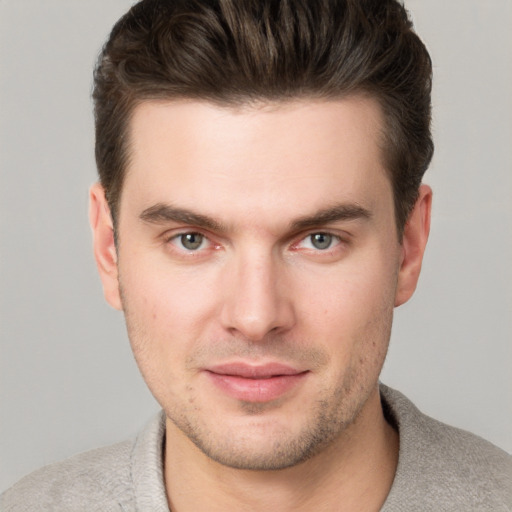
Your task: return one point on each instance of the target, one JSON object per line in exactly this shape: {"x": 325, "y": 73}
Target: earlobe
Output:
{"x": 414, "y": 241}
{"x": 105, "y": 252}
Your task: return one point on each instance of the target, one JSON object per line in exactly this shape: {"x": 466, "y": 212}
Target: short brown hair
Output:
{"x": 240, "y": 51}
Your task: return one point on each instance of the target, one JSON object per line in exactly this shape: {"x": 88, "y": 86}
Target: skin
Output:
{"x": 255, "y": 188}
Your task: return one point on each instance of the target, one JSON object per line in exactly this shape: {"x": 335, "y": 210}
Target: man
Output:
{"x": 259, "y": 215}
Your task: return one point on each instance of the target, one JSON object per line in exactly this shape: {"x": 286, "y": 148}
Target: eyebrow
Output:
{"x": 161, "y": 213}
{"x": 340, "y": 212}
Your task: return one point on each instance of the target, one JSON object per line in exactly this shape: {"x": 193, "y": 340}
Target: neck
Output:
{"x": 354, "y": 473}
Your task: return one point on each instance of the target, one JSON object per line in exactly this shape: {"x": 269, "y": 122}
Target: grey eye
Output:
{"x": 321, "y": 240}
{"x": 191, "y": 241}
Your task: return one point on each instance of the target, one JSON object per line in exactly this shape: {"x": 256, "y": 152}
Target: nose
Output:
{"x": 257, "y": 298}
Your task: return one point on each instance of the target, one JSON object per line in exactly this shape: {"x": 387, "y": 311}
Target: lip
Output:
{"x": 255, "y": 383}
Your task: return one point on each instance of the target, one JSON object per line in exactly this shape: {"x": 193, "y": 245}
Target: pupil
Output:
{"x": 321, "y": 240}
{"x": 191, "y": 241}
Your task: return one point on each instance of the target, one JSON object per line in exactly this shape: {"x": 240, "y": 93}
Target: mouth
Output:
{"x": 255, "y": 383}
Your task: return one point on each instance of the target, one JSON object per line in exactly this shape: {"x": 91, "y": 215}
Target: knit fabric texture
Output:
{"x": 440, "y": 469}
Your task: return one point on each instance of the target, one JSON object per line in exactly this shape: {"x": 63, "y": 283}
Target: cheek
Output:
{"x": 350, "y": 311}
{"x": 160, "y": 337}
{"x": 347, "y": 297}
{"x": 157, "y": 314}
{"x": 168, "y": 312}
{"x": 166, "y": 298}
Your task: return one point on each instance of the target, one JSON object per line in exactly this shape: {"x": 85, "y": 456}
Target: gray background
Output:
{"x": 67, "y": 379}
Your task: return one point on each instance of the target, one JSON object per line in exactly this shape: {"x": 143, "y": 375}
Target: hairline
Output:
{"x": 247, "y": 103}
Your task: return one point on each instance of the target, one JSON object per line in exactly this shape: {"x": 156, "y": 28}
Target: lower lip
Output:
{"x": 256, "y": 390}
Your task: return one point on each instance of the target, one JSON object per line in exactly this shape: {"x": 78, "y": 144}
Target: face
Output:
{"x": 258, "y": 265}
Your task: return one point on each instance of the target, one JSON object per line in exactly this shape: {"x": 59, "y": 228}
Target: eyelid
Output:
{"x": 173, "y": 234}
{"x": 327, "y": 233}
{"x": 335, "y": 233}
{"x": 341, "y": 242}
{"x": 184, "y": 230}
{"x": 204, "y": 243}
{"x": 172, "y": 237}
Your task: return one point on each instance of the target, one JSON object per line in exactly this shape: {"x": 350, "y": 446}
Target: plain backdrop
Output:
{"x": 68, "y": 382}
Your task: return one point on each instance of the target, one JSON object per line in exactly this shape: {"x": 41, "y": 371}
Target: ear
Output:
{"x": 414, "y": 241}
{"x": 104, "y": 247}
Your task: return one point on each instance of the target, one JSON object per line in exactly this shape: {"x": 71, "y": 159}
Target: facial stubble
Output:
{"x": 330, "y": 416}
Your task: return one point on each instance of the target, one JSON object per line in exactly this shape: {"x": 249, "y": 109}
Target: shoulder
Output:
{"x": 123, "y": 477}
{"x": 446, "y": 466}
{"x": 94, "y": 480}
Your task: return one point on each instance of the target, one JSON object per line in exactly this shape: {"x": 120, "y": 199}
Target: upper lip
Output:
{"x": 254, "y": 371}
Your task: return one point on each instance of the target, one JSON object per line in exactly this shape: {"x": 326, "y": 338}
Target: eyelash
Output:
{"x": 174, "y": 240}
{"x": 333, "y": 239}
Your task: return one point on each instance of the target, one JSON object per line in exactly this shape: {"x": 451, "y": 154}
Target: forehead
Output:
{"x": 273, "y": 157}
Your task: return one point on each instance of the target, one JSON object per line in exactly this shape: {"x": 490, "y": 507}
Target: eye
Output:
{"x": 190, "y": 241}
{"x": 320, "y": 241}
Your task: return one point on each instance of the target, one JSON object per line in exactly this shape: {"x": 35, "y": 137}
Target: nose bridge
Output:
{"x": 256, "y": 301}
